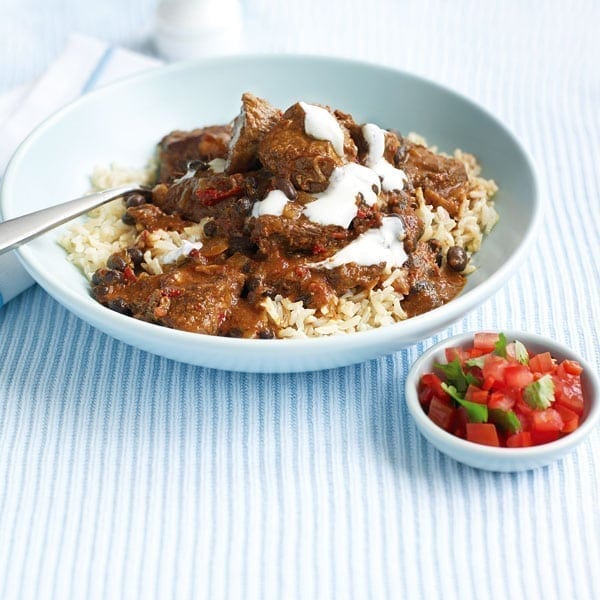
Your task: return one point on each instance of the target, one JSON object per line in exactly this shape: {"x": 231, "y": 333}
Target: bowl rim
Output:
{"x": 557, "y": 349}
{"x": 409, "y": 329}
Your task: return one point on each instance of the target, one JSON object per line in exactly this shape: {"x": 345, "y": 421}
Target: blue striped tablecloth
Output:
{"x": 125, "y": 475}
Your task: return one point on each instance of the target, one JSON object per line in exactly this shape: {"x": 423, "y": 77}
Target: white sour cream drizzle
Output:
{"x": 320, "y": 124}
{"x": 391, "y": 178}
{"x": 272, "y": 204}
{"x": 185, "y": 248}
{"x": 337, "y": 204}
{"x": 217, "y": 165}
{"x": 374, "y": 246}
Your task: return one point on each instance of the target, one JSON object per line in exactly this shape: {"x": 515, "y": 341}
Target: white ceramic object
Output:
{"x": 187, "y": 29}
{"x": 122, "y": 123}
{"x": 503, "y": 459}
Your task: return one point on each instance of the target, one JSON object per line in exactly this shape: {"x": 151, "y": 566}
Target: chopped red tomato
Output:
{"x": 519, "y": 440}
{"x": 546, "y": 420}
{"x": 485, "y": 341}
{"x": 483, "y": 433}
{"x": 441, "y": 414}
{"x": 476, "y": 394}
{"x": 432, "y": 381}
{"x": 517, "y": 376}
{"x": 542, "y": 363}
{"x": 499, "y": 401}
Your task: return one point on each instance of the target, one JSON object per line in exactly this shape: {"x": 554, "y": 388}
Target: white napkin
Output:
{"x": 84, "y": 65}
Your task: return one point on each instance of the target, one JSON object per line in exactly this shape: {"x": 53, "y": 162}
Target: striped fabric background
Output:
{"x": 125, "y": 475}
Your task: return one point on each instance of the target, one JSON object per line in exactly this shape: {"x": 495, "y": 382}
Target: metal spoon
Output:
{"x": 15, "y": 232}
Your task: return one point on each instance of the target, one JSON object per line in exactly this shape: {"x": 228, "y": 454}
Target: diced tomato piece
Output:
{"x": 476, "y": 352}
{"x": 461, "y": 418}
{"x": 517, "y": 376}
{"x": 488, "y": 382}
{"x": 457, "y": 353}
{"x": 483, "y": 433}
{"x": 546, "y": 420}
{"x": 572, "y": 367}
{"x": 522, "y": 407}
{"x": 485, "y": 341}
{"x": 544, "y": 437}
{"x": 425, "y": 395}
{"x": 542, "y": 363}
{"x": 494, "y": 367}
{"x": 568, "y": 392}
{"x": 501, "y": 401}
{"x": 435, "y": 383}
{"x": 570, "y": 418}
{"x": 475, "y": 394}
{"x": 441, "y": 413}
{"x": 519, "y": 440}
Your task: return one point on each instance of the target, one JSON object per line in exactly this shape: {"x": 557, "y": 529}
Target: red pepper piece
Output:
{"x": 212, "y": 196}
{"x": 129, "y": 274}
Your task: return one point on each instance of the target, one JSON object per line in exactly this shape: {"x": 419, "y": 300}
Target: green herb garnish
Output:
{"x": 521, "y": 353}
{"x": 477, "y": 413}
{"x": 540, "y": 393}
{"x": 500, "y": 346}
{"x": 456, "y": 376}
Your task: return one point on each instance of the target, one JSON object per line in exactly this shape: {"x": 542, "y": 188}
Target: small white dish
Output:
{"x": 503, "y": 459}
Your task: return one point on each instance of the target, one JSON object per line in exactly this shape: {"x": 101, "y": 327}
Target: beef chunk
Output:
{"x": 444, "y": 180}
{"x": 289, "y": 152}
{"x": 256, "y": 117}
{"x": 196, "y": 197}
{"x": 430, "y": 285}
{"x": 180, "y": 147}
{"x": 297, "y": 236}
{"x": 196, "y": 298}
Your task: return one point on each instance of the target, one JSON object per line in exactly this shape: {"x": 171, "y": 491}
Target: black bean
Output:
{"x": 107, "y": 277}
{"x": 285, "y": 185}
{"x": 234, "y": 332}
{"x": 117, "y": 262}
{"x": 119, "y": 305}
{"x": 210, "y": 229}
{"x": 135, "y": 199}
{"x": 136, "y": 255}
{"x": 101, "y": 290}
{"x": 127, "y": 219}
{"x": 266, "y": 335}
{"x": 457, "y": 258}
{"x": 197, "y": 165}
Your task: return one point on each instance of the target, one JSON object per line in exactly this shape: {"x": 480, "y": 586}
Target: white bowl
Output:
{"x": 122, "y": 123}
{"x": 503, "y": 459}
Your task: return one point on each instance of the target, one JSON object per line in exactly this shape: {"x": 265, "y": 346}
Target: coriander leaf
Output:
{"x": 500, "y": 346}
{"x": 476, "y": 413}
{"x": 456, "y": 376}
{"x": 505, "y": 419}
{"x": 476, "y": 362}
{"x": 540, "y": 393}
{"x": 521, "y": 353}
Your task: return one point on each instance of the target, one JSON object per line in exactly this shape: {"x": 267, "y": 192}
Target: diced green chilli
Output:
{"x": 500, "y": 346}
{"x": 476, "y": 413}
{"x": 505, "y": 419}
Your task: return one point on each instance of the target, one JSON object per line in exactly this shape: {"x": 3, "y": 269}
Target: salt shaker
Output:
{"x": 196, "y": 28}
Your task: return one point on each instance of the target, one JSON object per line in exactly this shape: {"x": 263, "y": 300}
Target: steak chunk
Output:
{"x": 180, "y": 147}
{"x": 289, "y": 152}
{"x": 444, "y": 180}
{"x": 256, "y": 117}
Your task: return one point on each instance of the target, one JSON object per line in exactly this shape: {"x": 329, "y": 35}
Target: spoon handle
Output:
{"x": 15, "y": 232}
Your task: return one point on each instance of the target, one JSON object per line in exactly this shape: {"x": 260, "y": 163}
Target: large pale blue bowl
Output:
{"x": 122, "y": 123}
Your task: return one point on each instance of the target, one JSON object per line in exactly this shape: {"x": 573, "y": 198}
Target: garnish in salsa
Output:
{"x": 496, "y": 393}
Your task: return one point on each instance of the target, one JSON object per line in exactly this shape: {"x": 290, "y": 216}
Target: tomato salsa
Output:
{"x": 499, "y": 394}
